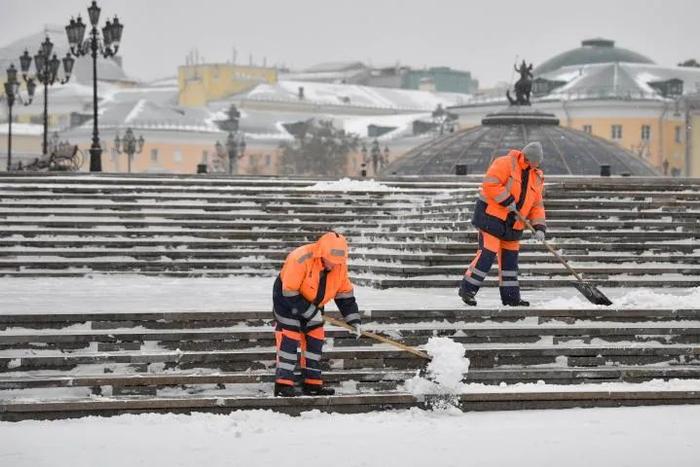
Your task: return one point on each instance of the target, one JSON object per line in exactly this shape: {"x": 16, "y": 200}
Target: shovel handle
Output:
{"x": 549, "y": 247}
{"x": 377, "y": 337}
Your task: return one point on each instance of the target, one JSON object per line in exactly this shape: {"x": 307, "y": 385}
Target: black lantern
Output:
{"x": 68, "y": 63}
{"x": 40, "y": 63}
{"x": 47, "y": 47}
{"x": 25, "y": 61}
{"x": 94, "y": 13}
{"x": 117, "y": 28}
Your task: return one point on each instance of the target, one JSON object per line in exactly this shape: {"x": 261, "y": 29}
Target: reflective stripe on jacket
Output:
{"x": 510, "y": 179}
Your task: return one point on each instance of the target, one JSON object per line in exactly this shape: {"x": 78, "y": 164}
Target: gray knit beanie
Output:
{"x": 533, "y": 152}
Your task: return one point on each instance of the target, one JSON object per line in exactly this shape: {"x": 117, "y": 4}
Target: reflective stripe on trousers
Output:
{"x": 490, "y": 249}
{"x": 287, "y": 343}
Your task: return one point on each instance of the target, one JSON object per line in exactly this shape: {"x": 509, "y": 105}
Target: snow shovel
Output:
{"x": 377, "y": 337}
{"x": 587, "y": 290}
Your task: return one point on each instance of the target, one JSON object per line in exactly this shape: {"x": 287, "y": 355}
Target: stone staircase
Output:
{"x": 619, "y": 232}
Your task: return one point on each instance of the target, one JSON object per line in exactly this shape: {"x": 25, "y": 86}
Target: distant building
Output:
{"x": 444, "y": 79}
{"x": 348, "y": 72}
{"x": 200, "y": 84}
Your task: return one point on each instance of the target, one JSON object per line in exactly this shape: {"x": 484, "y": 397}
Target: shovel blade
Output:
{"x": 592, "y": 294}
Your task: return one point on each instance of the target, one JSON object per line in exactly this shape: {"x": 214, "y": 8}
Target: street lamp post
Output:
{"x": 129, "y": 145}
{"x": 12, "y": 93}
{"x": 363, "y": 165}
{"x": 235, "y": 149}
{"x": 46, "y": 73}
{"x": 107, "y": 45}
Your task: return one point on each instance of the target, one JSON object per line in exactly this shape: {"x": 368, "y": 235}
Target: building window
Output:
{"x": 616, "y": 132}
{"x": 154, "y": 155}
{"x": 268, "y": 160}
{"x": 677, "y": 135}
{"x": 177, "y": 156}
{"x": 205, "y": 156}
{"x": 646, "y": 132}
{"x": 588, "y": 129}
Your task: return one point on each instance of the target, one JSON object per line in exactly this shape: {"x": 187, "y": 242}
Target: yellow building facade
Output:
{"x": 200, "y": 84}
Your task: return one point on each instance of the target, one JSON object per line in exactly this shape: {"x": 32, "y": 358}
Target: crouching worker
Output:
{"x": 513, "y": 184}
{"x": 312, "y": 275}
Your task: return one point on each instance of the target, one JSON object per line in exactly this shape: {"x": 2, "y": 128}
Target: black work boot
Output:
{"x": 317, "y": 390}
{"x": 467, "y": 297}
{"x": 518, "y": 302}
{"x": 284, "y": 390}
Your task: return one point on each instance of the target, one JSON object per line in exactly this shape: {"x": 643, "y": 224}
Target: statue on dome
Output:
{"x": 523, "y": 86}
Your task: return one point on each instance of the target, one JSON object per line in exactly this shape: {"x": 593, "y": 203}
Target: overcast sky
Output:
{"x": 483, "y": 37}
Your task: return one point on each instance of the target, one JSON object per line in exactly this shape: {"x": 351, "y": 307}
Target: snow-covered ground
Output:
{"x": 576, "y": 437}
{"x": 634, "y": 437}
{"x": 114, "y": 293}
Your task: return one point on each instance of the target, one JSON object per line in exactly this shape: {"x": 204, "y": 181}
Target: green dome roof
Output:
{"x": 591, "y": 51}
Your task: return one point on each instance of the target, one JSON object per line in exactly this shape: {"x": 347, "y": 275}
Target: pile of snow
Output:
{"x": 345, "y": 184}
{"x": 445, "y": 371}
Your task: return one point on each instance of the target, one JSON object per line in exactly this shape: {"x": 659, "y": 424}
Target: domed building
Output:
{"x": 591, "y": 51}
{"x": 566, "y": 151}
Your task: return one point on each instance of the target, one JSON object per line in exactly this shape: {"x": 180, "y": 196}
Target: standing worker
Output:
{"x": 513, "y": 183}
{"x": 312, "y": 275}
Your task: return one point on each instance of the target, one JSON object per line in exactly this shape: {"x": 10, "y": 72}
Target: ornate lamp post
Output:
{"x": 235, "y": 149}
{"x": 129, "y": 145}
{"x": 363, "y": 165}
{"x": 107, "y": 46}
{"x": 12, "y": 93}
{"x": 46, "y": 73}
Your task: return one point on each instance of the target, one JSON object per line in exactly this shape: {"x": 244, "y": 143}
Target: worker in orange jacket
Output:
{"x": 513, "y": 183}
{"x": 312, "y": 275}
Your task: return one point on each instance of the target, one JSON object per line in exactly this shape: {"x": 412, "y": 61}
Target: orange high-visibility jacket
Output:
{"x": 300, "y": 278}
{"x": 510, "y": 179}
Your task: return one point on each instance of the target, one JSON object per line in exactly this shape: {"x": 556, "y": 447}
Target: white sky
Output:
{"x": 482, "y": 37}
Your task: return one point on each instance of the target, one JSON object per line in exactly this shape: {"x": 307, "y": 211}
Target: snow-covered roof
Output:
{"x": 348, "y": 95}
{"x": 619, "y": 80}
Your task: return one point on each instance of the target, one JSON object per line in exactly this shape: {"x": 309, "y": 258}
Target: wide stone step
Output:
{"x": 390, "y": 379}
{"x": 410, "y": 334}
{"x": 280, "y": 254}
{"x": 409, "y": 209}
{"x": 224, "y": 230}
{"x": 126, "y": 262}
{"x": 310, "y": 220}
{"x": 427, "y": 250}
{"x": 119, "y": 187}
{"x": 203, "y": 319}
{"x": 473, "y": 401}
{"x": 378, "y": 356}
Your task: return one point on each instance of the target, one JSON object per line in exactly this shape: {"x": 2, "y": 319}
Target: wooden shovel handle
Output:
{"x": 549, "y": 247}
{"x": 377, "y": 337}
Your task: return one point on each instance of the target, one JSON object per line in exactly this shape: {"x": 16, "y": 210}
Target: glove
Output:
{"x": 512, "y": 207}
{"x": 315, "y": 320}
{"x": 358, "y": 330}
{"x": 539, "y": 235}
